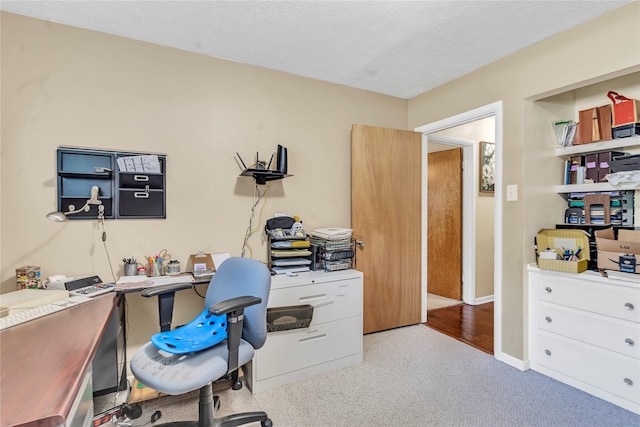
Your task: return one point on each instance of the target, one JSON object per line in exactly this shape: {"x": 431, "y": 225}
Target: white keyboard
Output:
{"x": 41, "y": 311}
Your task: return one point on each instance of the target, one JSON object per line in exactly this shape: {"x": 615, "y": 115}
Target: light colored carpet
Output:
{"x": 436, "y": 301}
{"x": 415, "y": 376}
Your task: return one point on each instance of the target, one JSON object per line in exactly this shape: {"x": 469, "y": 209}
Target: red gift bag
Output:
{"x": 625, "y": 110}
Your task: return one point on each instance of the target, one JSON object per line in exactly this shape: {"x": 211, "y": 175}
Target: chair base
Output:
{"x": 207, "y": 406}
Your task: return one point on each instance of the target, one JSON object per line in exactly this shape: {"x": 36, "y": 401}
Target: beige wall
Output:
{"x": 66, "y": 86}
{"x": 480, "y": 130}
{"x": 571, "y": 59}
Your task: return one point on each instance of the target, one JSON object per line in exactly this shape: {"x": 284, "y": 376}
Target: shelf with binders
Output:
{"x": 590, "y": 156}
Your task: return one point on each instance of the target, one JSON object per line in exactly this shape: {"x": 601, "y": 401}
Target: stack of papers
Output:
{"x": 332, "y": 233}
{"x": 148, "y": 164}
{"x": 290, "y": 269}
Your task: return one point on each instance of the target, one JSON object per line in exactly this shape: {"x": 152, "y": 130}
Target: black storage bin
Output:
{"x": 626, "y": 130}
{"x": 289, "y": 317}
{"x": 625, "y": 163}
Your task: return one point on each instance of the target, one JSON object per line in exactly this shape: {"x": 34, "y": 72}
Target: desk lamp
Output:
{"x": 93, "y": 200}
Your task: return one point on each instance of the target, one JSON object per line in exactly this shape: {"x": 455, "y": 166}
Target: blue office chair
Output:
{"x": 240, "y": 290}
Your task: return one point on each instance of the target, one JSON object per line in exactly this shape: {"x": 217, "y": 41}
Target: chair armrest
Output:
{"x": 233, "y": 304}
{"x": 163, "y": 289}
{"x": 234, "y": 309}
{"x": 166, "y": 296}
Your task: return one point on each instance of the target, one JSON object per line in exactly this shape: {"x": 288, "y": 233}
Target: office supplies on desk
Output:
{"x": 173, "y": 267}
{"x": 89, "y": 286}
{"x": 28, "y": 276}
{"x": 130, "y": 266}
{"x": 202, "y": 265}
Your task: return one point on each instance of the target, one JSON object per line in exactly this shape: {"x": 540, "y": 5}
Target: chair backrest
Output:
{"x": 240, "y": 277}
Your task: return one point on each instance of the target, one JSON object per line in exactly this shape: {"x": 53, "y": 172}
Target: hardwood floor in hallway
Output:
{"x": 471, "y": 324}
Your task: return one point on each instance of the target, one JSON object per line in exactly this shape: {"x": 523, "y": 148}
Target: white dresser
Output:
{"x": 333, "y": 340}
{"x": 584, "y": 330}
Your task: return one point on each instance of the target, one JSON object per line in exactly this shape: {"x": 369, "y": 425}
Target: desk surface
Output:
{"x": 43, "y": 362}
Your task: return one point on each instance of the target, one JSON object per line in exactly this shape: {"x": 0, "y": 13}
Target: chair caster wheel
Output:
{"x": 237, "y": 385}
{"x": 266, "y": 423}
{"x": 216, "y": 403}
{"x": 132, "y": 411}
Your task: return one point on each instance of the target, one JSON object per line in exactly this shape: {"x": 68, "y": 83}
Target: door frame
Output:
{"x": 496, "y": 110}
{"x": 469, "y": 172}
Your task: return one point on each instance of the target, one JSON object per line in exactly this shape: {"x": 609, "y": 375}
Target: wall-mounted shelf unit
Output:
{"x": 631, "y": 142}
{"x": 124, "y": 193}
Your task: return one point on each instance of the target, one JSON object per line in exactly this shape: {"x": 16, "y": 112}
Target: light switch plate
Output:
{"x": 512, "y": 193}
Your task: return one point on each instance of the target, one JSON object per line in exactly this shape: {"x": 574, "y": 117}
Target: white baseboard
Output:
{"x": 482, "y": 300}
{"x": 522, "y": 365}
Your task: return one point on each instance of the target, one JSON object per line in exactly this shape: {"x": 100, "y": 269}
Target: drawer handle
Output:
{"x": 629, "y": 306}
{"x": 322, "y": 304}
{"x": 140, "y": 195}
{"x": 312, "y": 297}
{"x": 548, "y": 319}
{"x": 140, "y": 178}
{"x": 548, "y": 289}
{"x": 629, "y": 341}
{"x": 628, "y": 381}
{"x": 547, "y": 352}
{"x": 317, "y": 337}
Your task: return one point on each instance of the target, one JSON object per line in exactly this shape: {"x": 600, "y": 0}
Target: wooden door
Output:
{"x": 444, "y": 224}
{"x": 386, "y": 215}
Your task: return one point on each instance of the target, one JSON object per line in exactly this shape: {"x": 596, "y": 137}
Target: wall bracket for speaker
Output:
{"x": 261, "y": 171}
{"x": 263, "y": 175}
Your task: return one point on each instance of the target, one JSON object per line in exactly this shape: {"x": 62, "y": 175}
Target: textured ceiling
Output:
{"x": 398, "y": 48}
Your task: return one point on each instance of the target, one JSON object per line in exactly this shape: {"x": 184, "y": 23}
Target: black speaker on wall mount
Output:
{"x": 281, "y": 160}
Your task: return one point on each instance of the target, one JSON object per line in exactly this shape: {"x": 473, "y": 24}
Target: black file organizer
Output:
{"x": 78, "y": 171}
{"x": 123, "y": 194}
{"x": 141, "y": 195}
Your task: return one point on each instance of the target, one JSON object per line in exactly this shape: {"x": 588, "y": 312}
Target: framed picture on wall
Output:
{"x": 487, "y": 167}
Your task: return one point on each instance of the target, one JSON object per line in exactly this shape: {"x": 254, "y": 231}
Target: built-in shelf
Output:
{"x": 595, "y": 147}
{"x": 600, "y": 186}
{"x": 92, "y": 175}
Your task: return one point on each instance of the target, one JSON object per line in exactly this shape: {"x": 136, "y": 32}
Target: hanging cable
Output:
{"x": 258, "y": 196}
{"x": 104, "y": 239}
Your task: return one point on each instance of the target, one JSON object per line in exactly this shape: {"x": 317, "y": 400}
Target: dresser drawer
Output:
{"x": 611, "y": 334}
{"x": 612, "y": 372}
{"x": 288, "y": 351}
{"x": 611, "y": 300}
{"x": 331, "y": 301}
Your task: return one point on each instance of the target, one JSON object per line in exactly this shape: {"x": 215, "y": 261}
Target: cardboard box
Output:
{"x": 594, "y": 124}
{"x": 625, "y": 110}
{"x": 621, "y": 254}
{"x": 561, "y": 240}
